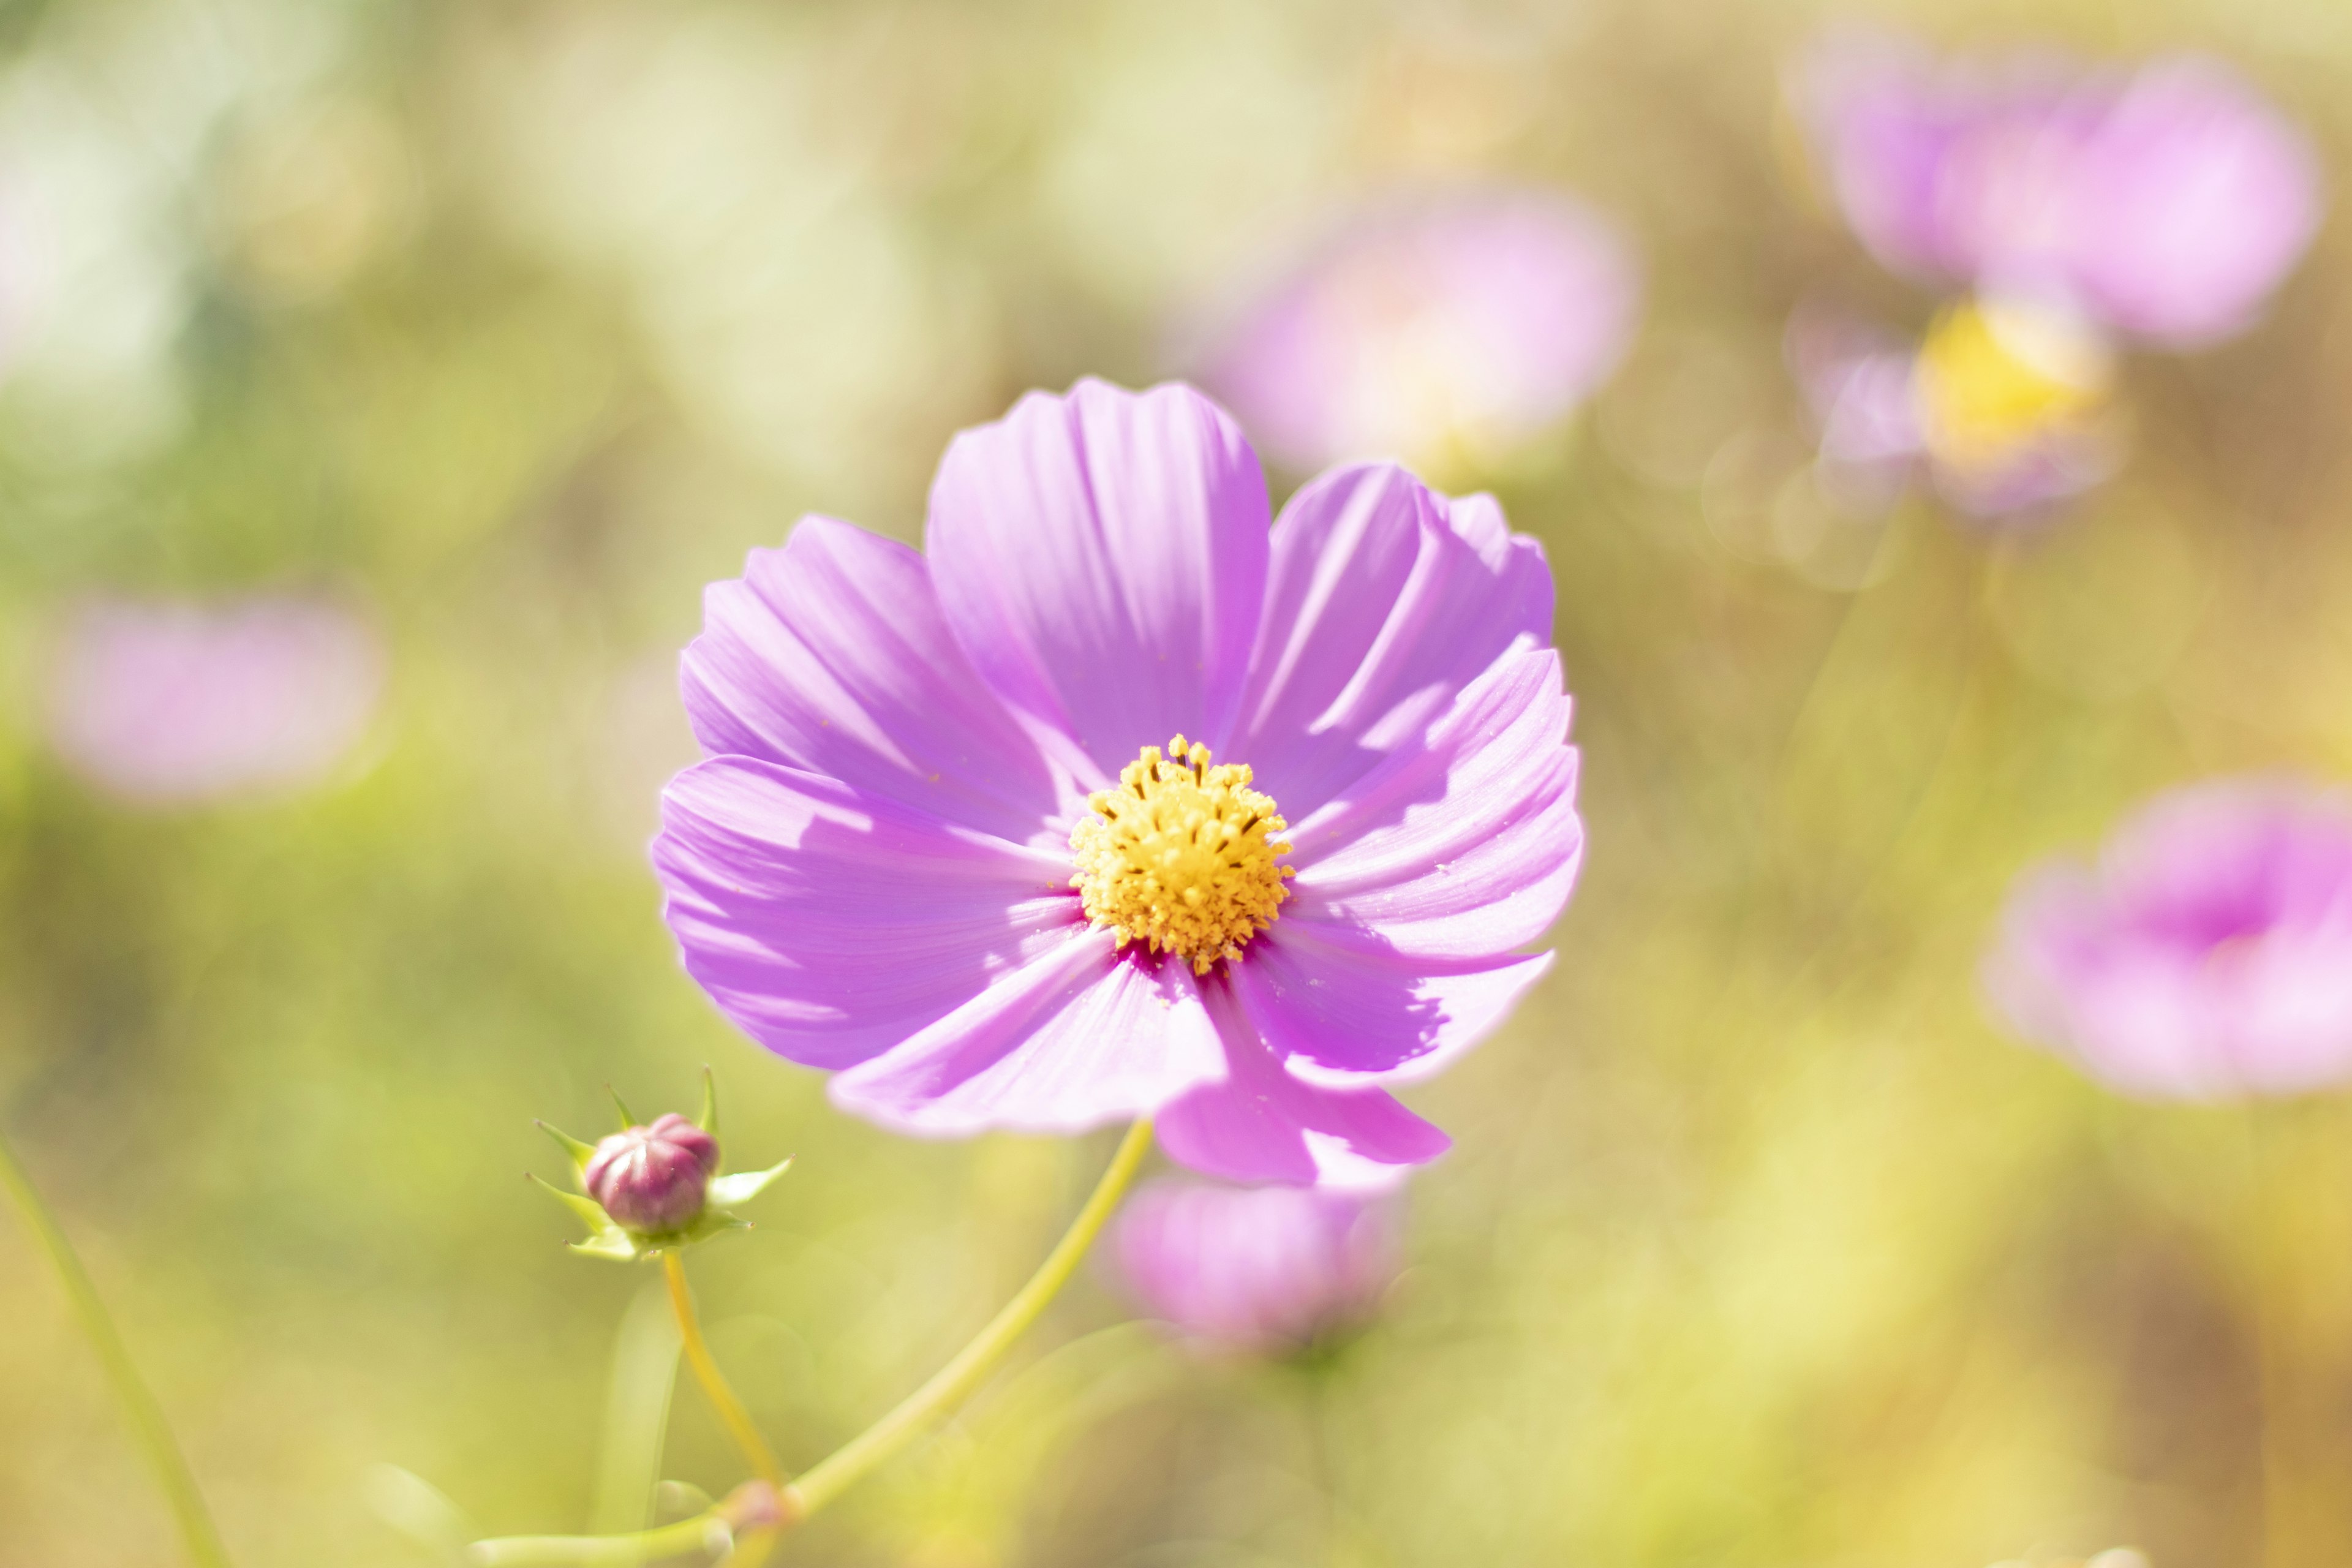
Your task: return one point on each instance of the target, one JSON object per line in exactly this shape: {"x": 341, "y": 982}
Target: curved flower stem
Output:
{"x": 198, "y": 1532}
{"x": 643, "y": 1546}
{"x": 740, "y": 1425}
{"x": 850, "y": 1463}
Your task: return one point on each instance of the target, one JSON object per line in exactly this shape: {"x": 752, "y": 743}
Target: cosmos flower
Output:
{"x": 2164, "y": 204}
{"x": 2068, "y": 213}
{"x": 2206, "y": 955}
{"x": 170, "y": 702}
{"x": 1114, "y": 802}
{"x": 1431, "y": 328}
{"x": 1257, "y": 1269}
{"x": 2004, "y": 408}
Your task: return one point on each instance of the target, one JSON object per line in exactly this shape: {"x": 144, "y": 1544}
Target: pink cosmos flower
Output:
{"x": 1256, "y": 1269}
{"x": 2165, "y": 202}
{"x": 1114, "y": 802}
{"x": 172, "y": 703}
{"x": 2208, "y": 955}
{"x": 1471, "y": 319}
{"x": 2002, "y": 410}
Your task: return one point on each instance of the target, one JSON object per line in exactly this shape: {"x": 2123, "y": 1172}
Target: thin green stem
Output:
{"x": 154, "y": 1435}
{"x": 850, "y": 1463}
{"x": 738, "y": 1421}
{"x": 644, "y": 1546}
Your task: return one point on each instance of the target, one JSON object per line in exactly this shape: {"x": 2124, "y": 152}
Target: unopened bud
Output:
{"x": 654, "y": 1180}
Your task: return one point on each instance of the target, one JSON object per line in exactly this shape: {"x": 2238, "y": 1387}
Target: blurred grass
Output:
{"x": 1760, "y": 1247}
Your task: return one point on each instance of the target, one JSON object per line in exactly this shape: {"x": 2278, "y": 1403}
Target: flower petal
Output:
{"x": 832, "y": 656}
{"x": 1466, "y": 848}
{"x": 1102, "y": 558}
{"x": 830, "y": 923}
{"x": 1263, "y": 1124}
{"x": 2193, "y": 198}
{"x": 1081, "y": 1035}
{"x": 1384, "y": 600}
{"x": 1337, "y": 1005}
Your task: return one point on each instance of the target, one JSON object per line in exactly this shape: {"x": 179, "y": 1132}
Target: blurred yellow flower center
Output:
{"x": 1181, "y": 855}
{"x": 1992, "y": 378}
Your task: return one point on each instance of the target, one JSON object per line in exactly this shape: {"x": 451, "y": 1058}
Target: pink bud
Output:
{"x": 652, "y": 1180}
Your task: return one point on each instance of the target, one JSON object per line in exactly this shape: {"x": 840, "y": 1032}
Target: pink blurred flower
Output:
{"x": 172, "y": 701}
{"x": 1257, "y": 1269}
{"x": 2165, "y": 202}
{"x": 1430, "y": 327}
{"x": 935, "y": 848}
{"x": 2001, "y": 409}
{"x": 2208, "y": 952}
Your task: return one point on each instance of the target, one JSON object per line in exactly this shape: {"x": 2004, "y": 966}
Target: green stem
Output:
{"x": 850, "y": 1463}
{"x": 154, "y": 1435}
{"x": 645, "y": 1545}
{"x": 740, "y": 1425}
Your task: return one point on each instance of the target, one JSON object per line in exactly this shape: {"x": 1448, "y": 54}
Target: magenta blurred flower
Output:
{"x": 2208, "y": 955}
{"x": 2003, "y": 408}
{"x": 2165, "y": 202}
{"x": 1431, "y": 328}
{"x": 172, "y": 701}
{"x": 1259, "y": 1269}
{"x": 936, "y": 848}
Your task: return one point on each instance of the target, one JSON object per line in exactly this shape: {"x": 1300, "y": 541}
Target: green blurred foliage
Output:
{"x": 523, "y": 318}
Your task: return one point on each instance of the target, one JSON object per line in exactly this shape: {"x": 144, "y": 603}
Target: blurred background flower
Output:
{"x": 2072, "y": 209}
{"x": 1257, "y": 1270}
{"x": 2208, "y": 954}
{"x": 1441, "y": 327}
{"x": 165, "y": 702}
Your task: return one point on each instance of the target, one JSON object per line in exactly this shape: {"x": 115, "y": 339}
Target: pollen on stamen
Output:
{"x": 1183, "y": 856}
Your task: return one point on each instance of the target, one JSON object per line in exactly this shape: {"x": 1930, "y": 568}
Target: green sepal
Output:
{"x": 590, "y": 1212}
{"x": 709, "y": 1119}
{"x": 726, "y": 1192}
{"x": 605, "y": 1239}
{"x": 579, "y": 1153}
{"x": 628, "y": 1117}
{"x": 710, "y": 1221}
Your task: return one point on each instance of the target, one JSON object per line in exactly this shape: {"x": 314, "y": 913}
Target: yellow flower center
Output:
{"x": 1181, "y": 855}
{"x": 1992, "y": 378}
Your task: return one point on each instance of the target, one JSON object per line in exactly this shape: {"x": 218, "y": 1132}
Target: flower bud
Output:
{"x": 654, "y": 1179}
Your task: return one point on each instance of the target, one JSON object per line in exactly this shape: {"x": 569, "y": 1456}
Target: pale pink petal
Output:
{"x": 1384, "y": 600}
{"x": 1264, "y": 1125}
{"x": 1463, "y": 849}
{"x": 2194, "y": 199}
{"x": 1082, "y": 1036}
{"x": 1102, "y": 558}
{"x": 1338, "y": 1004}
{"x": 831, "y": 655}
{"x": 829, "y": 923}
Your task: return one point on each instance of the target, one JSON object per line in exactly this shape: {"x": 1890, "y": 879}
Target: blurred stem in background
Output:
{"x": 148, "y": 1428}
{"x": 849, "y": 1464}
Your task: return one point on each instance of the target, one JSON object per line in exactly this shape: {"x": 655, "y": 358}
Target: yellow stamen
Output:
{"x": 1181, "y": 855}
{"x": 1994, "y": 378}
